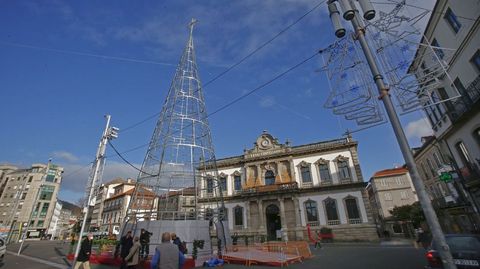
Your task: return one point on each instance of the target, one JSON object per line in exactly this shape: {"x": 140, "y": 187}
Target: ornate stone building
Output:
{"x": 274, "y": 190}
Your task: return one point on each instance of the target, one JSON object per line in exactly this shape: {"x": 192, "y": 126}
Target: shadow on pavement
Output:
{"x": 64, "y": 258}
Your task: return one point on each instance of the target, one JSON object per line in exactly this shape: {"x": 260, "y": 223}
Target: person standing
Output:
{"x": 85, "y": 251}
{"x": 144, "y": 241}
{"x": 176, "y": 240}
{"x": 167, "y": 255}
{"x": 133, "y": 256}
{"x": 126, "y": 243}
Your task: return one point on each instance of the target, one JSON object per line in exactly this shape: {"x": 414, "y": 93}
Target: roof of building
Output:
{"x": 391, "y": 172}
{"x": 130, "y": 192}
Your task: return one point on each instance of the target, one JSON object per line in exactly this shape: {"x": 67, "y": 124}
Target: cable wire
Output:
{"x": 221, "y": 108}
{"x": 240, "y": 61}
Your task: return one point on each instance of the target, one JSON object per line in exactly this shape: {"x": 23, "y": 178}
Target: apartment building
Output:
{"x": 386, "y": 189}
{"x": 30, "y": 194}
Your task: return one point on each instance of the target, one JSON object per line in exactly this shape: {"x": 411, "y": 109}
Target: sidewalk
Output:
{"x": 52, "y": 252}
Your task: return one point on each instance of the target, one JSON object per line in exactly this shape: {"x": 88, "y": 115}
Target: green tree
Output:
{"x": 413, "y": 213}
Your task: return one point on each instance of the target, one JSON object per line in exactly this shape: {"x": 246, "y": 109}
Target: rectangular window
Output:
{"x": 40, "y": 223}
{"x": 305, "y": 170}
{"x": 476, "y": 60}
{"x": 24, "y": 195}
{"x": 403, "y": 195}
{"x": 324, "y": 172}
{"x": 383, "y": 182}
{"x": 388, "y": 196}
{"x": 47, "y": 193}
{"x": 463, "y": 152}
{"x": 30, "y": 179}
{"x": 238, "y": 215}
{"x": 430, "y": 166}
{"x": 452, "y": 20}
{"x": 343, "y": 170}
{"x": 237, "y": 183}
{"x": 44, "y": 211}
{"x": 399, "y": 181}
{"x": 223, "y": 183}
{"x": 437, "y": 50}
{"x": 437, "y": 160}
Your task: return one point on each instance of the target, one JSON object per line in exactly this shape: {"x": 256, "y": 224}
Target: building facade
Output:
{"x": 115, "y": 207}
{"x": 275, "y": 190}
{"x": 455, "y": 117}
{"x": 103, "y": 192}
{"x": 30, "y": 194}
{"x": 52, "y": 231}
{"x": 449, "y": 196}
{"x": 387, "y": 189}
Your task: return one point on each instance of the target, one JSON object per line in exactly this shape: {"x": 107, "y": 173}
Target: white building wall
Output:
{"x": 332, "y": 166}
{"x": 340, "y": 206}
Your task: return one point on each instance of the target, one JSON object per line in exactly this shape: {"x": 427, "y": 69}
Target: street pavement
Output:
{"x": 388, "y": 255}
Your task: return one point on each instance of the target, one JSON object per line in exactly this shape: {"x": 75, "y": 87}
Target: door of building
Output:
{"x": 273, "y": 222}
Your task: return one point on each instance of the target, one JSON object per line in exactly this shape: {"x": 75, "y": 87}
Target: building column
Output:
{"x": 261, "y": 216}
{"x": 283, "y": 219}
{"x": 247, "y": 224}
{"x": 298, "y": 219}
{"x": 259, "y": 173}
{"x": 292, "y": 170}
{"x": 279, "y": 173}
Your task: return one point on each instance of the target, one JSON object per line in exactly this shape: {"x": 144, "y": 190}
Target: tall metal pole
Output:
{"x": 97, "y": 167}
{"x": 425, "y": 202}
{"x": 24, "y": 235}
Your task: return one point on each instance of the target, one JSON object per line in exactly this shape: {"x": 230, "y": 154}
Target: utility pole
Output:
{"x": 351, "y": 13}
{"x": 39, "y": 191}
{"x": 108, "y": 134}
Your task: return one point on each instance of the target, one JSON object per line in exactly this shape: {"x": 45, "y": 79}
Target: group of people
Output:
{"x": 168, "y": 255}
{"x": 133, "y": 249}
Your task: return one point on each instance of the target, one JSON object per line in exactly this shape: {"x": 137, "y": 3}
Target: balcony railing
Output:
{"x": 274, "y": 187}
{"x": 465, "y": 103}
{"x": 333, "y": 222}
{"x": 354, "y": 221}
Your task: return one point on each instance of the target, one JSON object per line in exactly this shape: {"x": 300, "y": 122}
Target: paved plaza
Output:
{"x": 390, "y": 255}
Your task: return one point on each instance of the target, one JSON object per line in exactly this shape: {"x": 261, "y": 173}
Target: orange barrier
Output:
{"x": 269, "y": 253}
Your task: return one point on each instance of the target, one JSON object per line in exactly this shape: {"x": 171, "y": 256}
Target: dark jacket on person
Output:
{"x": 126, "y": 244}
{"x": 85, "y": 250}
{"x": 145, "y": 237}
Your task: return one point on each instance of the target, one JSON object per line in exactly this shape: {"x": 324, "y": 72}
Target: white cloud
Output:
{"x": 417, "y": 129}
{"x": 267, "y": 101}
{"x": 64, "y": 156}
{"x": 76, "y": 176}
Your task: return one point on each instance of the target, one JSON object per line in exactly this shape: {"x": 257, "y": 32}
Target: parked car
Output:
{"x": 465, "y": 249}
{"x": 3, "y": 249}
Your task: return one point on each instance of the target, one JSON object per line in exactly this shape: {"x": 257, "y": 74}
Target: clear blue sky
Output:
{"x": 55, "y": 88}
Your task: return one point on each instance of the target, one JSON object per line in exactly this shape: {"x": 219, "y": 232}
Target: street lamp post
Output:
{"x": 351, "y": 13}
{"x": 108, "y": 134}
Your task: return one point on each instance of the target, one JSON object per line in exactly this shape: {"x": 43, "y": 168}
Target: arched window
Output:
{"x": 353, "y": 214}
{"x": 305, "y": 172}
{"x": 324, "y": 171}
{"x": 343, "y": 169}
{"x": 269, "y": 177}
{"x": 238, "y": 216}
{"x": 311, "y": 210}
{"x": 331, "y": 210}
